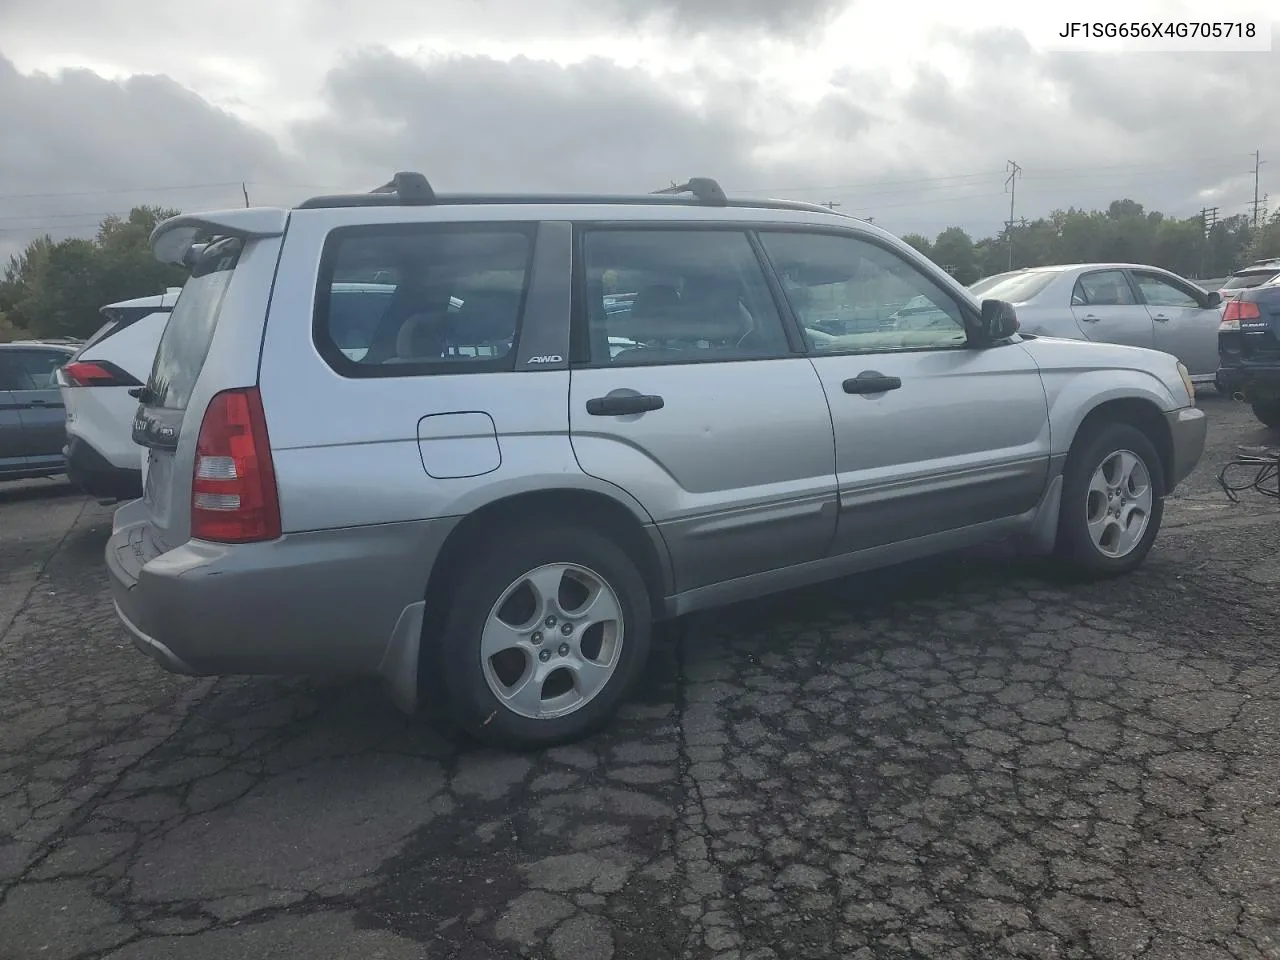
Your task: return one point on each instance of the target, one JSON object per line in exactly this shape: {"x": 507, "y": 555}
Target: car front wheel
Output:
{"x": 1112, "y": 502}
{"x": 547, "y": 631}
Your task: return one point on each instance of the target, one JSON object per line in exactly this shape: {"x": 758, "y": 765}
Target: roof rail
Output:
{"x": 409, "y": 188}
{"x": 704, "y": 189}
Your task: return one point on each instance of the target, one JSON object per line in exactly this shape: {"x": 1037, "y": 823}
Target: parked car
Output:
{"x": 494, "y": 529}
{"x": 1119, "y": 303}
{"x": 1249, "y": 347}
{"x": 1254, "y": 275}
{"x": 102, "y": 458}
{"x": 32, "y": 421}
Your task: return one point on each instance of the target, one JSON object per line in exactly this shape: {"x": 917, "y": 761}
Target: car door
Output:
{"x": 932, "y": 436}
{"x": 1181, "y": 323}
{"x": 39, "y": 402}
{"x": 13, "y": 456}
{"x": 1106, "y": 309}
{"x": 705, "y": 409}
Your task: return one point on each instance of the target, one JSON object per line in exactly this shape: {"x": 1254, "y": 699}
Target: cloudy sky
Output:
{"x": 906, "y": 111}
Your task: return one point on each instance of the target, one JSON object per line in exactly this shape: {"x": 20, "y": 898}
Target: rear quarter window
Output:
{"x": 422, "y": 299}
{"x": 184, "y": 345}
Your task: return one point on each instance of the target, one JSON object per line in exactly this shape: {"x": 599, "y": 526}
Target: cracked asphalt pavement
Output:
{"x": 954, "y": 759}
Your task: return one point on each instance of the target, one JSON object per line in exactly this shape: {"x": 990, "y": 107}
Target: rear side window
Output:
{"x": 1246, "y": 281}
{"x": 32, "y": 369}
{"x": 189, "y": 332}
{"x": 119, "y": 318}
{"x": 1107, "y": 288}
{"x": 421, "y": 299}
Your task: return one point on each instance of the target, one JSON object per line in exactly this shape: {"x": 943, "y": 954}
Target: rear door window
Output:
{"x": 422, "y": 299}
{"x": 1106, "y": 288}
{"x": 184, "y": 345}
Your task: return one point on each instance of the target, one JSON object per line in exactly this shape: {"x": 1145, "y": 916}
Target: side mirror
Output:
{"x": 1214, "y": 299}
{"x": 999, "y": 322}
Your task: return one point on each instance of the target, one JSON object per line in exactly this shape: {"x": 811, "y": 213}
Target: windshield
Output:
{"x": 1244, "y": 281}
{"x": 189, "y": 332}
{"x": 1017, "y": 287}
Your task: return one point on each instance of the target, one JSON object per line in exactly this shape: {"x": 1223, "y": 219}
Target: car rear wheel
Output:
{"x": 547, "y": 632}
{"x": 1112, "y": 502}
{"x": 1268, "y": 413}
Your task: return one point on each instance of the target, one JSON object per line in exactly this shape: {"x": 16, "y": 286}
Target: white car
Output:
{"x": 102, "y": 458}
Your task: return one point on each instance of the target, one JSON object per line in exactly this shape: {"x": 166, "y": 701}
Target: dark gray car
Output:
{"x": 33, "y": 428}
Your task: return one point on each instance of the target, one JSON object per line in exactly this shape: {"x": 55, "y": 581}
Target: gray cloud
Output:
{"x": 1085, "y": 128}
{"x": 79, "y": 147}
{"x": 790, "y": 17}
{"x": 477, "y": 123}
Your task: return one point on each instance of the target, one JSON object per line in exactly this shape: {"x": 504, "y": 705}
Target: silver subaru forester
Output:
{"x": 477, "y": 445}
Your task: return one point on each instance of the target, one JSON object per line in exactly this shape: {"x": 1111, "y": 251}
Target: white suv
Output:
{"x": 102, "y": 458}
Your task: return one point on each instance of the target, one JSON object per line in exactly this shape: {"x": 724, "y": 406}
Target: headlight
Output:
{"x": 1185, "y": 374}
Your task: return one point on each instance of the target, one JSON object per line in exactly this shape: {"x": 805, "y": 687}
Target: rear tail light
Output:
{"x": 97, "y": 373}
{"x": 1236, "y": 311}
{"x": 233, "y": 488}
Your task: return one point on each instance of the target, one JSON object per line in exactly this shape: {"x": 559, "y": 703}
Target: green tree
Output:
{"x": 56, "y": 288}
{"x": 953, "y": 251}
{"x": 1265, "y": 241}
{"x": 919, "y": 242}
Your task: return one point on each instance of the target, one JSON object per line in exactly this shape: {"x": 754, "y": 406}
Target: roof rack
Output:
{"x": 407, "y": 188}
{"x": 704, "y": 189}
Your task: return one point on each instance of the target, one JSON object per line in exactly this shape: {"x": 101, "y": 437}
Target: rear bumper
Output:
{"x": 1187, "y": 430}
{"x": 1255, "y": 380}
{"x": 95, "y": 475}
{"x": 322, "y": 602}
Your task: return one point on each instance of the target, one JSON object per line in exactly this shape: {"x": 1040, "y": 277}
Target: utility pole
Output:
{"x": 1011, "y": 185}
{"x": 1208, "y": 218}
{"x": 1257, "y": 169}
{"x": 244, "y": 188}
{"x": 831, "y": 204}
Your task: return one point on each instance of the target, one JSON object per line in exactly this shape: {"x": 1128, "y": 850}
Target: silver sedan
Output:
{"x": 1123, "y": 303}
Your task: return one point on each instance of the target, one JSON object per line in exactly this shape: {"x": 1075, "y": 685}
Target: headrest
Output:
{"x": 422, "y": 337}
{"x": 487, "y": 315}
{"x": 707, "y": 310}
{"x": 654, "y": 299}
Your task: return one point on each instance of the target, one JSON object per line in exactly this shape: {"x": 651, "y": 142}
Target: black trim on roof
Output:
{"x": 413, "y": 189}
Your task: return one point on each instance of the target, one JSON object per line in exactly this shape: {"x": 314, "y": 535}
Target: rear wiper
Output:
{"x": 141, "y": 394}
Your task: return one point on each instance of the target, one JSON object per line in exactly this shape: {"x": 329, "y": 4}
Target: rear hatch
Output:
{"x": 1247, "y": 279}
{"x": 161, "y": 420}
{"x": 1250, "y": 329}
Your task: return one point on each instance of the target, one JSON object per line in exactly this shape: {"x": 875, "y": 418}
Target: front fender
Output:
{"x": 1074, "y": 394}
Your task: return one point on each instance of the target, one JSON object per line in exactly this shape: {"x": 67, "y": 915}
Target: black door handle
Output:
{"x": 872, "y": 383}
{"x": 622, "y": 404}
{"x": 42, "y": 403}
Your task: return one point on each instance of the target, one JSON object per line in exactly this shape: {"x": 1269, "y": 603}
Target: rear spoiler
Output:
{"x": 174, "y": 240}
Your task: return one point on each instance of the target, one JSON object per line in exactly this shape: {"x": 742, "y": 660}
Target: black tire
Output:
{"x": 1076, "y": 552}
{"x": 1268, "y": 413}
{"x": 488, "y": 571}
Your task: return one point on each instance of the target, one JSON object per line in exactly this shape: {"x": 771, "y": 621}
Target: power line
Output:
{"x": 1043, "y": 173}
